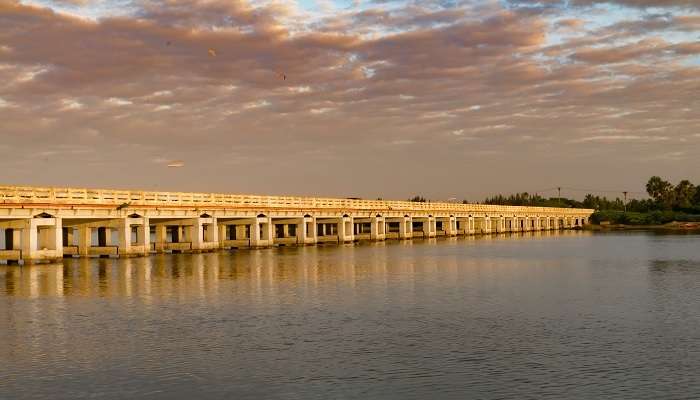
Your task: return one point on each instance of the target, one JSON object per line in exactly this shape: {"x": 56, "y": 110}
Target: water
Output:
{"x": 569, "y": 315}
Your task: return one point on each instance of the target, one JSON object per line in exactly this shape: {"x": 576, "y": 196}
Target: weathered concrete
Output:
{"x": 45, "y": 224}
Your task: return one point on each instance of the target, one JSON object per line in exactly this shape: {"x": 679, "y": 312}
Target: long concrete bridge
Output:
{"x": 46, "y": 224}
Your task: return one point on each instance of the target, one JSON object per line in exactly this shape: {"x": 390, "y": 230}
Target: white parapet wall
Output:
{"x": 45, "y": 224}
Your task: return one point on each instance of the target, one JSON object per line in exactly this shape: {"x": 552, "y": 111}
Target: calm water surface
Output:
{"x": 570, "y": 315}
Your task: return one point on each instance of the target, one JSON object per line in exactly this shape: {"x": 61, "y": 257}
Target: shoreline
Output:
{"x": 673, "y": 226}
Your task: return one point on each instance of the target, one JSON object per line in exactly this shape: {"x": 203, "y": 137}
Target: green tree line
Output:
{"x": 663, "y": 196}
{"x": 666, "y": 203}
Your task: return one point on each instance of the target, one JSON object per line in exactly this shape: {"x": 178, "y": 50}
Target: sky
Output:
{"x": 350, "y": 98}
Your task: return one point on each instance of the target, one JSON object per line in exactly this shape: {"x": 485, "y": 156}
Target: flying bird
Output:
{"x": 176, "y": 164}
{"x": 212, "y": 52}
{"x": 168, "y": 43}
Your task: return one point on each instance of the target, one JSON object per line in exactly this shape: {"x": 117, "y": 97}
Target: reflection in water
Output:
{"x": 197, "y": 275}
{"x": 541, "y": 315}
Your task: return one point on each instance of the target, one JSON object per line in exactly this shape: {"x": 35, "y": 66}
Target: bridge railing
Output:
{"x": 39, "y": 195}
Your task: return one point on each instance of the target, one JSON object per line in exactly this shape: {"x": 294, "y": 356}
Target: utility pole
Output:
{"x": 559, "y": 196}
{"x": 625, "y": 203}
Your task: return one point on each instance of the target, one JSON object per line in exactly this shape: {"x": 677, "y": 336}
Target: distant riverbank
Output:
{"x": 668, "y": 220}
{"x": 673, "y": 226}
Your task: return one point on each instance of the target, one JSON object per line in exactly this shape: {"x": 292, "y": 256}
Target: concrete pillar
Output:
{"x": 377, "y": 228}
{"x": 211, "y": 235}
{"x": 194, "y": 233}
{"x": 301, "y": 231}
{"x": 345, "y": 230}
{"x": 124, "y": 234}
{"x": 143, "y": 236}
{"x": 268, "y": 231}
{"x": 161, "y": 237}
{"x": 406, "y": 228}
{"x": 47, "y": 245}
{"x": 84, "y": 240}
{"x": 223, "y": 233}
{"x": 306, "y": 230}
{"x": 261, "y": 232}
{"x": 451, "y": 226}
{"x": 430, "y": 227}
{"x": 311, "y": 229}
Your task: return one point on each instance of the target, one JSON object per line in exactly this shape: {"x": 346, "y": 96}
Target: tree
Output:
{"x": 661, "y": 191}
{"x": 683, "y": 194}
{"x": 418, "y": 199}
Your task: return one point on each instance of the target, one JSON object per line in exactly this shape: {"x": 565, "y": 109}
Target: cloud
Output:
{"x": 431, "y": 73}
{"x": 641, "y": 3}
{"x": 621, "y": 138}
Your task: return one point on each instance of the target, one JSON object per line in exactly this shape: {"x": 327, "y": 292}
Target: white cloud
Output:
{"x": 498, "y": 127}
{"x": 31, "y": 74}
{"x": 299, "y": 89}
{"x": 621, "y": 138}
{"x": 161, "y": 93}
{"x": 437, "y": 114}
{"x": 71, "y": 104}
{"x": 5, "y": 104}
{"x": 256, "y": 104}
{"x": 321, "y": 110}
{"x": 115, "y": 101}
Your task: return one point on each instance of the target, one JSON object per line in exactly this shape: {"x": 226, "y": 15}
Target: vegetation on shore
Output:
{"x": 666, "y": 204}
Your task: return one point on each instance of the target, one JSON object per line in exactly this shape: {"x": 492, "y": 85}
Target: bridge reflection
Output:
{"x": 257, "y": 273}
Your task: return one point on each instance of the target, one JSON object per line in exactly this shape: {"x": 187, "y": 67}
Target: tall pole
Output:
{"x": 625, "y": 194}
{"x": 559, "y": 198}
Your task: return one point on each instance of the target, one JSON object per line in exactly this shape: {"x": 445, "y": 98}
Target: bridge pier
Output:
{"x": 345, "y": 229}
{"x": 446, "y": 226}
{"x": 306, "y": 230}
{"x": 134, "y": 237}
{"x": 32, "y": 240}
{"x": 377, "y": 228}
{"x": 202, "y": 233}
{"x": 262, "y": 232}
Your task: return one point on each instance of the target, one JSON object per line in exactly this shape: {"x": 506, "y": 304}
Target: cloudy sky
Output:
{"x": 382, "y": 98}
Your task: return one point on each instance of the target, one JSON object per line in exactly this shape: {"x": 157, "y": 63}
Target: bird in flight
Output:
{"x": 212, "y": 52}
